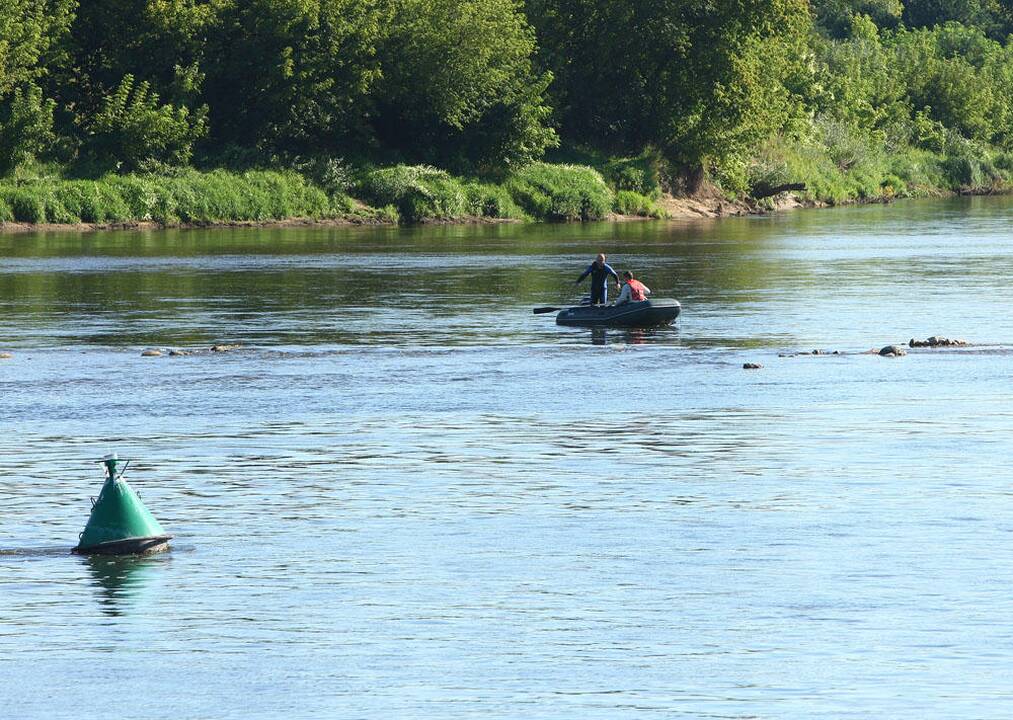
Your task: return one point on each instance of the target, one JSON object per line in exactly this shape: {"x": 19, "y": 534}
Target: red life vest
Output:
{"x": 637, "y": 289}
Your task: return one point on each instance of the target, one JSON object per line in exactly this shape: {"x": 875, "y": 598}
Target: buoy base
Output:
{"x": 128, "y": 546}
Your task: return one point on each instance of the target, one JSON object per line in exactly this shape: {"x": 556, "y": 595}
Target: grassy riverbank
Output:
{"x": 831, "y": 171}
{"x": 397, "y": 194}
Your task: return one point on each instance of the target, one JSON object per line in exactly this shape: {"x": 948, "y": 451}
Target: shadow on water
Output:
{"x": 117, "y": 579}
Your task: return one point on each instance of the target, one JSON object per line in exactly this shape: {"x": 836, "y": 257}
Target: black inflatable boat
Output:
{"x": 649, "y": 313}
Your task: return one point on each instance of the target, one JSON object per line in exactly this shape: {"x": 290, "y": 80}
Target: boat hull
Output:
{"x": 649, "y": 313}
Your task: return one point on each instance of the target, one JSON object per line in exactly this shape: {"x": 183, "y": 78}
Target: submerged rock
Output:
{"x": 893, "y": 351}
{"x": 812, "y": 352}
{"x": 224, "y": 348}
{"x": 751, "y": 366}
{"x": 936, "y": 341}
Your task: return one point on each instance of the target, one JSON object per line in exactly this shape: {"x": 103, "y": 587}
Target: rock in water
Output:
{"x": 151, "y": 353}
{"x": 893, "y": 351}
{"x": 751, "y": 366}
{"x": 5, "y": 356}
{"x": 936, "y": 341}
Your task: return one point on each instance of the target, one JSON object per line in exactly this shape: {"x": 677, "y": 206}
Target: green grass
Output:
{"x": 189, "y": 197}
{"x": 561, "y": 192}
{"x": 628, "y": 202}
{"x": 637, "y": 173}
{"x": 6, "y": 214}
{"x": 843, "y": 166}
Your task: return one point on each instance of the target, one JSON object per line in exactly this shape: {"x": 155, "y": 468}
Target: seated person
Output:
{"x": 633, "y": 290}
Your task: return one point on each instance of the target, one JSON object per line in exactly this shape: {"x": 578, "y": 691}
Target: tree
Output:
{"x": 700, "y": 80}
{"x": 31, "y": 37}
{"x": 993, "y": 17}
{"x": 161, "y": 42}
{"x": 834, "y": 16}
{"x": 293, "y": 75}
{"x": 133, "y": 126}
{"x": 458, "y": 87}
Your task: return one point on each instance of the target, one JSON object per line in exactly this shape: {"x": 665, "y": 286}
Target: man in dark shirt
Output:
{"x": 599, "y": 271}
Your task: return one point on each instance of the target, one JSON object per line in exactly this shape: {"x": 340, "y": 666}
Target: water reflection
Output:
{"x": 630, "y": 336}
{"x": 119, "y": 579}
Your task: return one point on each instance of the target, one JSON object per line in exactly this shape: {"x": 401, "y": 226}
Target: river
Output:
{"x": 406, "y": 496}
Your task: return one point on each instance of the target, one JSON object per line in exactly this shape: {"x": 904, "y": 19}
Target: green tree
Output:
{"x": 31, "y": 45}
{"x": 458, "y": 87}
{"x": 293, "y": 75}
{"x": 26, "y": 126}
{"x": 133, "y": 126}
{"x": 834, "y": 16}
{"x": 993, "y": 17}
{"x": 160, "y": 41}
{"x": 700, "y": 80}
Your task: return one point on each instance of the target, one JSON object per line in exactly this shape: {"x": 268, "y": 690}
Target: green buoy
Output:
{"x": 119, "y": 522}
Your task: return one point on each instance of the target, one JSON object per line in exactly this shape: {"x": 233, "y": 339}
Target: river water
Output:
{"x": 406, "y": 496}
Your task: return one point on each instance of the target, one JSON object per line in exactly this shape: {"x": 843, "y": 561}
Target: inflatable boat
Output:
{"x": 649, "y": 313}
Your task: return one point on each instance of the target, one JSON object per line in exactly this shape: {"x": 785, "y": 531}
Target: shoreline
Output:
{"x": 708, "y": 206}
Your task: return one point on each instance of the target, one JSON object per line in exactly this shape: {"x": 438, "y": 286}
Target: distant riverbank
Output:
{"x": 386, "y": 196}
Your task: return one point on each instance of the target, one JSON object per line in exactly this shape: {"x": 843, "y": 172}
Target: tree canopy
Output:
{"x": 485, "y": 86}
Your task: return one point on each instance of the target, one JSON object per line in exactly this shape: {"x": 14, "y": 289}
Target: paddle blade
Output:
{"x": 543, "y": 310}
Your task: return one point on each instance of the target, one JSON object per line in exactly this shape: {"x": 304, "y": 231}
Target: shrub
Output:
{"x": 26, "y": 127}
{"x": 640, "y": 174}
{"x": 6, "y": 214}
{"x": 133, "y": 127}
{"x": 419, "y": 192}
{"x": 56, "y": 212}
{"x": 561, "y": 192}
{"x": 26, "y": 204}
{"x": 493, "y": 201}
{"x": 628, "y": 202}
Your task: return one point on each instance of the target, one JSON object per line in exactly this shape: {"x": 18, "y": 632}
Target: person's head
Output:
{"x": 600, "y": 259}
{"x": 627, "y": 275}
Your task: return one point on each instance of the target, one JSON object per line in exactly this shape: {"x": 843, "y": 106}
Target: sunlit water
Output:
{"x": 408, "y": 497}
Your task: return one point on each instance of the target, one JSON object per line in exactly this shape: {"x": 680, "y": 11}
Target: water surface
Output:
{"x": 407, "y": 496}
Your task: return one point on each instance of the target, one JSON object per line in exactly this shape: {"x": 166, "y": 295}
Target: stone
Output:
{"x": 224, "y": 348}
{"x": 751, "y": 366}
{"x": 6, "y": 355}
{"x": 936, "y": 341}
{"x": 151, "y": 353}
{"x": 892, "y": 351}
{"x": 178, "y": 353}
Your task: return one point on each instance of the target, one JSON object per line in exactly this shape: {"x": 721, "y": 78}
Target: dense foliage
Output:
{"x": 854, "y": 98}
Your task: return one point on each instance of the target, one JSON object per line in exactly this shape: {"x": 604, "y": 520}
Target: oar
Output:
{"x": 543, "y": 310}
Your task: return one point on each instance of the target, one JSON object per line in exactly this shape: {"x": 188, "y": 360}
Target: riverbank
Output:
{"x": 401, "y": 194}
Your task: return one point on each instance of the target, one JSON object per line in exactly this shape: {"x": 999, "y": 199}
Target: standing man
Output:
{"x": 599, "y": 271}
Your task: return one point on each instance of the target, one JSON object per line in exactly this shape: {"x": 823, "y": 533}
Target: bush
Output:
{"x": 561, "y": 192}
{"x": 641, "y": 174}
{"x": 6, "y": 214}
{"x": 26, "y": 127}
{"x": 628, "y": 202}
{"x": 133, "y": 127}
{"x": 419, "y": 192}
{"x": 492, "y": 201}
